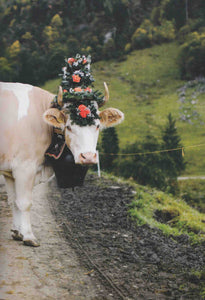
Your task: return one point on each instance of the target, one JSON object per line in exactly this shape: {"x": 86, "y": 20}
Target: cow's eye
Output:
{"x": 68, "y": 127}
{"x": 98, "y": 126}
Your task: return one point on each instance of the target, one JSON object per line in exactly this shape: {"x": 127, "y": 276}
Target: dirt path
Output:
{"x": 90, "y": 249}
{"x": 51, "y": 271}
{"x": 191, "y": 177}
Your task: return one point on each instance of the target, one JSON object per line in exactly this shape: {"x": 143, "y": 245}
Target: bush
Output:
{"x": 127, "y": 48}
{"x": 141, "y": 39}
{"x": 148, "y": 34}
{"x": 192, "y": 56}
{"x": 191, "y": 26}
{"x": 145, "y": 169}
{"x": 164, "y": 33}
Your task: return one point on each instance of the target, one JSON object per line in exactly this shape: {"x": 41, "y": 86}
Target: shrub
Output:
{"x": 145, "y": 169}
{"x": 141, "y": 39}
{"x": 191, "y": 26}
{"x": 164, "y": 33}
{"x": 127, "y": 48}
{"x": 148, "y": 34}
{"x": 192, "y": 56}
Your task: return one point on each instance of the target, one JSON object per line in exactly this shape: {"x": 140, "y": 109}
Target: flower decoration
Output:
{"x": 78, "y": 95}
{"x": 76, "y": 78}
{"x": 78, "y": 89}
{"x": 83, "y": 111}
{"x": 71, "y": 60}
{"x": 88, "y": 90}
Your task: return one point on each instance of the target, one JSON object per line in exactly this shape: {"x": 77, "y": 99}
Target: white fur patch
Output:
{"x": 21, "y": 92}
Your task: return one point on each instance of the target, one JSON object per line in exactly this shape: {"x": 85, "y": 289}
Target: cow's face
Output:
{"x": 82, "y": 140}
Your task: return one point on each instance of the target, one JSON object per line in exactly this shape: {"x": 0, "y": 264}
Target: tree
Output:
{"x": 173, "y": 161}
{"x": 110, "y": 144}
{"x": 151, "y": 163}
{"x": 5, "y": 70}
{"x": 144, "y": 168}
{"x": 174, "y": 10}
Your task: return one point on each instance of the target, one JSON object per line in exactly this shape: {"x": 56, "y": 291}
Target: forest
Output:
{"x": 37, "y": 35}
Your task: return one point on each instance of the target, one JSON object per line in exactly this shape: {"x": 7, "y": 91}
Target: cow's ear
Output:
{"x": 110, "y": 117}
{"x": 55, "y": 117}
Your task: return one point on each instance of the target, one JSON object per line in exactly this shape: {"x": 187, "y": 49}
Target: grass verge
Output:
{"x": 173, "y": 216}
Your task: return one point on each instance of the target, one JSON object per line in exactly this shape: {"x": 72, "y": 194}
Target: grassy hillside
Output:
{"x": 145, "y": 88}
{"x": 171, "y": 215}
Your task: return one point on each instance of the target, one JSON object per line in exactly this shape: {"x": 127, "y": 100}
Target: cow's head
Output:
{"x": 82, "y": 140}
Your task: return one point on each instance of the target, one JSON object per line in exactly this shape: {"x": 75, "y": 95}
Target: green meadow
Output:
{"x": 145, "y": 87}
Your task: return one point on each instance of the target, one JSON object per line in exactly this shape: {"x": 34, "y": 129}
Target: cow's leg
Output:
{"x": 24, "y": 182}
{"x": 10, "y": 186}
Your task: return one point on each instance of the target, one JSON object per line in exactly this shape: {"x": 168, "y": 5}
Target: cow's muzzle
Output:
{"x": 88, "y": 158}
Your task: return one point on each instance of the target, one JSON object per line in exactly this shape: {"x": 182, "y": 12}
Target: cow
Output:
{"x": 26, "y": 128}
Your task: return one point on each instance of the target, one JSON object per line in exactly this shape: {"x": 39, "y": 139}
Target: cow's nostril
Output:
{"x": 83, "y": 156}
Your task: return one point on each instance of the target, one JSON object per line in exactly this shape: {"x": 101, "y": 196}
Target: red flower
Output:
{"x": 65, "y": 91}
{"x": 77, "y": 89}
{"x": 71, "y": 60}
{"x": 84, "y": 61}
{"x": 84, "y": 111}
{"x": 88, "y": 90}
{"x": 76, "y": 78}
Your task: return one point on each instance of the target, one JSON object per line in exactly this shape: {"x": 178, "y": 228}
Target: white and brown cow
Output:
{"x": 26, "y": 127}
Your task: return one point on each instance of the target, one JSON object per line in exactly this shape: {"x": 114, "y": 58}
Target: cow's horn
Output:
{"x": 106, "y": 97}
{"x": 60, "y": 96}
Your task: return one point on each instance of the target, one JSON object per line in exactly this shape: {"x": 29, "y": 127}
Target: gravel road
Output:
{"x": 51, "y": 271}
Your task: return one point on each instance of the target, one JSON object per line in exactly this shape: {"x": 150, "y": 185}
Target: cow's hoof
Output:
{"x": 16, "y": 235}
{"x": 31, "y": 243}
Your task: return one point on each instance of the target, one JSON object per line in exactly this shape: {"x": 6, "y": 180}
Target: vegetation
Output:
{"x": 37, "y": 35}
{"x": 147, "y": 87}
{"x": 173, "y": 216}
{"x": 193, "y": 192}
{"x": 151, "y": 163}
{"x": 152, "y": 48}
{"x": 109, "y": 144}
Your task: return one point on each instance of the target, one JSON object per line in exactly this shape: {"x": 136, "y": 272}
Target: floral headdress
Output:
{"x": 76, "y": 91}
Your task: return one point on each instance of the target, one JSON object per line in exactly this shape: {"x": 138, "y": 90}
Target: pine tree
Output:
{"x": 110, "y": 144}
{"x": 172, "y": 161}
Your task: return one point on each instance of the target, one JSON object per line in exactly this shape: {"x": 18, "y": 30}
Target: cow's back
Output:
{"x": 23, "y": 133}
